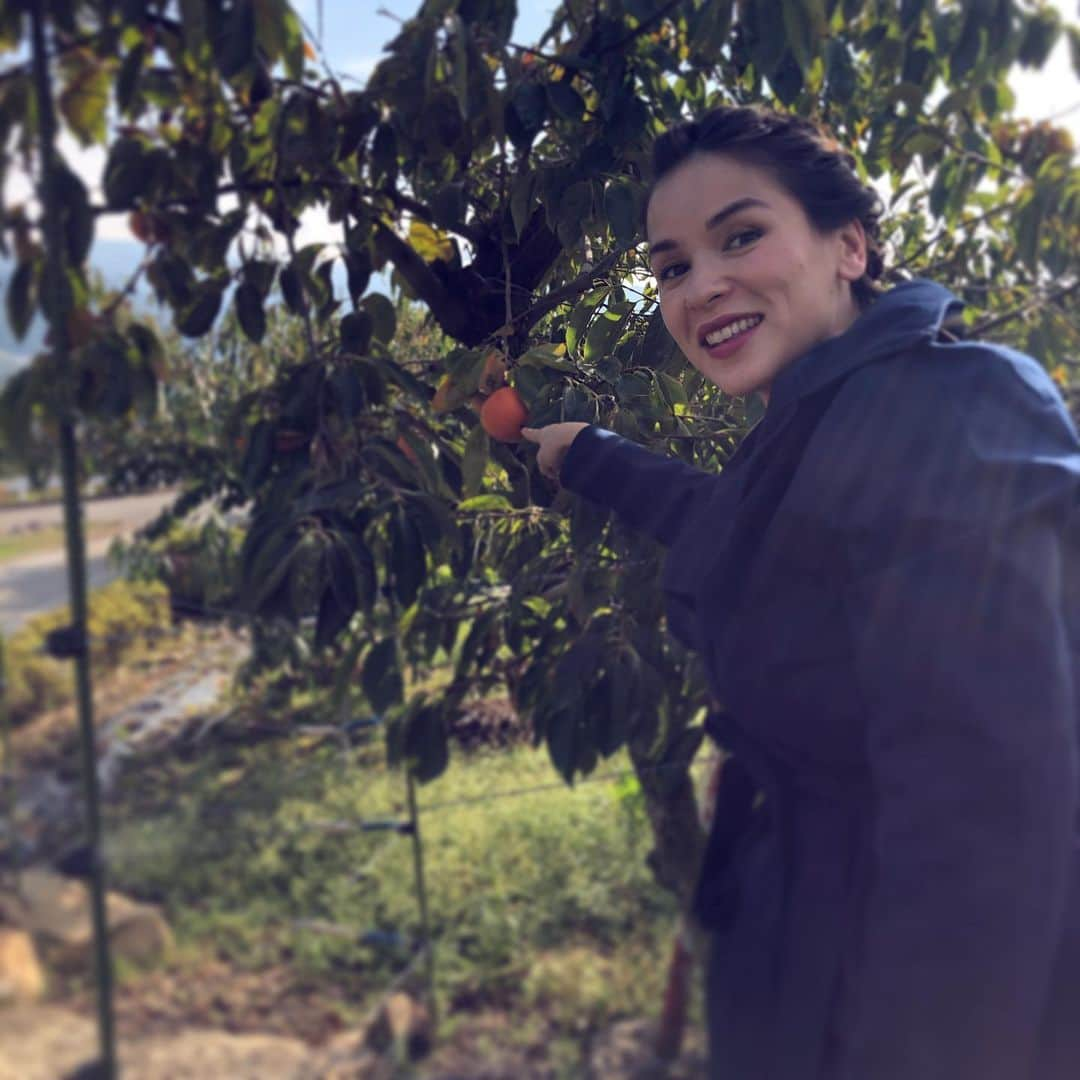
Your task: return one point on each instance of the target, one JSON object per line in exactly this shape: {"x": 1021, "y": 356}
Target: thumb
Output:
{"x": 531, "y": 433}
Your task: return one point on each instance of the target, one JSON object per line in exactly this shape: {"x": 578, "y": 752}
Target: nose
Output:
{"x": 709, "y": 283}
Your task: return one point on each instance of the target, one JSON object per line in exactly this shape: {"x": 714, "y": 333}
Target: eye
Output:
{"x": 743, "y": 238}
{"x": 667, "y": 273}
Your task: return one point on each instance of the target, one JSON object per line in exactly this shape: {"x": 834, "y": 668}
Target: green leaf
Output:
{"x": 564, "y": 738}
{"x": 127, "y": 82}
{"x": 383, "y": 318}
{"x": 235, "y": 45}
{"x": 21, "y": 298}
{"x": 565, "y": 101}
{"x": 474, "y": 461}
{"x": 249, "y": 311}
{"x": 804, "y": 23}
{"x": 426, "y": 744}
{"x": 259, "y": 273}
{"x": 292, "y": 290}
{"x": 529, "y": 103}
{"x": 128, "y": 172}
{"x": 199, "y": 315}
{"x": 575, "y": 208}
{"x": 78, "y": 217}
{"x": 104, "y": 378}
{"x": 340, "y": 597}
{"x": 259, "y": 454}
{"x": 787, "y": 78}
{"x": 484, "y": 503}
{"x": 521, "y": 197}
{"x": 293, "y": 51}
{"x": 193, "y": 20}
{"x": 1040, "y": 35}
{"x": 84, "y": 99}
{"x": 840, "y": 71}
{"x": 547, "y": 356}
{"x": 1074, "y": 48}
{"x": 448, "y": 205}
{"x": 672, "y": 389}
{"x": 381, "y": 678}
{"x": 406, "y": 557}
{"x": 384, "y": 153}
{"x": 356, "y": 332}
{"x": 461, "y": 62}
{"x": 965, "y": 53}
{"x": 358, "y": 273}
{"x": 622, "y": 211}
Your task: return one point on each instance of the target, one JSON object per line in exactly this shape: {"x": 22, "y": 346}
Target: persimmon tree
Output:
{"x": 499, "y": 184}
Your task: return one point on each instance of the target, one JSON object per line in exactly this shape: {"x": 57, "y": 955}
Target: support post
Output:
{"x": 57, "y": 306}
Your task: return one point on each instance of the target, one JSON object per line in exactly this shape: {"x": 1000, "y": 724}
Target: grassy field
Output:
{"x": 17, "y": 545}
{"x": 543, "y": 911}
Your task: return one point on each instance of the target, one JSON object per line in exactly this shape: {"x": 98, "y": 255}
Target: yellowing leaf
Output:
{"x": 1060, "y": 375}
{"x": 430, "y": 244}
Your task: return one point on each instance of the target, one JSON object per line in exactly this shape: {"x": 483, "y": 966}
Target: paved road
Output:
{"x": 39, "y": 582}
{"x": 130, "y": 510}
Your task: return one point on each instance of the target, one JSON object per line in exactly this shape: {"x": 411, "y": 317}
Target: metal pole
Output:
{"x": 7, "y": 778}
{"x": 421, "y": 895}
{"x": 73, "y": 527}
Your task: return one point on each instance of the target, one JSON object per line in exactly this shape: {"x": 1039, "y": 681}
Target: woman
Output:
{"x": 884, "y": 582}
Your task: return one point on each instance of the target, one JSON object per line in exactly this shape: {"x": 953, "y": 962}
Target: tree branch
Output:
{"x": 1047, "y": 298}
{"x": 449, "y": 314}
{"x": 552, "y": 300}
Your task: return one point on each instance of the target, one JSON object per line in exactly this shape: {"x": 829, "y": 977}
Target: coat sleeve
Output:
{"x": 651, "y": 493}
{"x": 959, "y": 571}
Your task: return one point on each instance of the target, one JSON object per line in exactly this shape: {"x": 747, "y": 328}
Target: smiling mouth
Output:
{"x": 732, "y": 329}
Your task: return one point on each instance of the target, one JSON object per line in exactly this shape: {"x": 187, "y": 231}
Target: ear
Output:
{"x": 851, "y": 251}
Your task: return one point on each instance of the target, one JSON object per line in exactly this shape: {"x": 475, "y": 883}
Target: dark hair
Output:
{"x": 807, "y": 162}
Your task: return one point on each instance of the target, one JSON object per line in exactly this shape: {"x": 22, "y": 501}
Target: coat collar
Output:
{"x": 909, "y": 314}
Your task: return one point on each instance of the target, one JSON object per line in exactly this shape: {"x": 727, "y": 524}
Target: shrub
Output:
{"x": 198, "y": 563}
{"x": 122, "y": 617}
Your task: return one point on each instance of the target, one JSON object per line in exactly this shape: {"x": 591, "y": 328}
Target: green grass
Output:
{"x": 541, "y": 899}
{"x": 16, "y": 545}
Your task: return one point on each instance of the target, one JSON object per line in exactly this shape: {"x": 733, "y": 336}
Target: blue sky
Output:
{"x": 351, "y": 41}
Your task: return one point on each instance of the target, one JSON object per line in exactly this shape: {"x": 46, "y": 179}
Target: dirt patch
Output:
{"x": 491, "y": 724}
{"x": 271, "y": 1001}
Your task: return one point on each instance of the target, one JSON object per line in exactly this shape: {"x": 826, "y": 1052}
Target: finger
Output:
{"x": 531, "y": 433}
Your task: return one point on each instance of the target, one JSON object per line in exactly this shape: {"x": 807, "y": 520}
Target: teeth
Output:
{"x": 732, "y": 329}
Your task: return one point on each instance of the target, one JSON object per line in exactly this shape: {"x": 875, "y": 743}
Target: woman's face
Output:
{"x": 747, "y": 283}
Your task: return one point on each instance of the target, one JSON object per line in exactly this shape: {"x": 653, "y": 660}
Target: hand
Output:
{"x": 554, "y": 441}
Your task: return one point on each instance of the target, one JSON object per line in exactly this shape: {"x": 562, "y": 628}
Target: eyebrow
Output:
{"x": 718, "y": 218}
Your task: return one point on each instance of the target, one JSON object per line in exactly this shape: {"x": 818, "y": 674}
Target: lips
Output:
{"x": 716, "y": 325}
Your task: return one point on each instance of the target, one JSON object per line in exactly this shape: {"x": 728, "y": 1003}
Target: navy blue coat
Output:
{"x": 884, "y": 583}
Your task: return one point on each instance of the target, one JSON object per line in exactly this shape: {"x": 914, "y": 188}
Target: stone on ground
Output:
{"x": 55, "y": 910}
{"x": 21, "y": 975}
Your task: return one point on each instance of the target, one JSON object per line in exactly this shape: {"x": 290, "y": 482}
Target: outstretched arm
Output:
{"x": 650, "y": 492}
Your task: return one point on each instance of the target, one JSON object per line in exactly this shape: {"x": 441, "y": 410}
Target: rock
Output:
{"x": 21, "y": 976}
{"x": 348, "y": 1058}
{"x": 56, "y": 911}
{"x": 198, "y": 1054}
{"x": 44, "y": 1042}
{"x": 402, "y": 1025}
